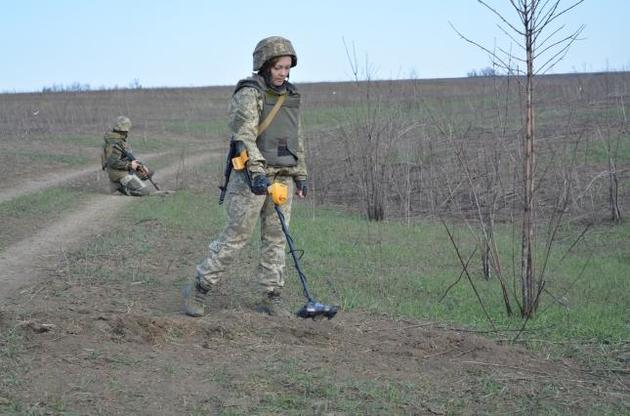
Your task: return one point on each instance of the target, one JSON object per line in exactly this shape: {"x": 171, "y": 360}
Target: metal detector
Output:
{"x": 312, "y": 309}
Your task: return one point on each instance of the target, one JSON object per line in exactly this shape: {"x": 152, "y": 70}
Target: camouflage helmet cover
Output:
{"x": 122, "y": 123}
{"x": 273, "y": 47}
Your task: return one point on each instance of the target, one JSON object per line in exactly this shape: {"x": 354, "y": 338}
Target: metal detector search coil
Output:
{"x": 312, "y": 309}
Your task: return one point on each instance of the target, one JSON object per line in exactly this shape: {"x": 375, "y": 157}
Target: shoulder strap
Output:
{"x": 267, "y": 121}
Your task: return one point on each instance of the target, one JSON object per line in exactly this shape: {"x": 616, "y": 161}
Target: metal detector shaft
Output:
{"x": 296, "y": 262}
{"x": 312, "y": 309}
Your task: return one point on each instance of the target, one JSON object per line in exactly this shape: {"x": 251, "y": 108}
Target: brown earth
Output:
{"x": 76, "y": 342}
{"x": 19, "y": 185}
{"x": 29, "y": 260}
{"x": 120, "y": 347}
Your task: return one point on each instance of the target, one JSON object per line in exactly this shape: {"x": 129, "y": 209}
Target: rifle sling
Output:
{"x": 261, "y": 128}
{"x": 267, "y": 121}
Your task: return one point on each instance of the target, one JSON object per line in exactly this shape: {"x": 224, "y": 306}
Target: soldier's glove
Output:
{"x": 260, "y": 183}
{"x": 302, "y": 186}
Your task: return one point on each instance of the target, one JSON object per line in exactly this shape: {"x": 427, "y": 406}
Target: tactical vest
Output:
{"x": 111, "y": 139}
{"x": 279, "y": 142}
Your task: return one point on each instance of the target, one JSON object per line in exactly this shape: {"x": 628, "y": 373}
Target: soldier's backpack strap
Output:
{"x": 105, "y": 154}
{"x": 104, "y": 157}
{"x": 267, "y": 121}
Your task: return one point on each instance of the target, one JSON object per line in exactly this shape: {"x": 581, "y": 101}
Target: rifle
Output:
{"x": 141, "y": 169}
{"x": 236, "y": 159}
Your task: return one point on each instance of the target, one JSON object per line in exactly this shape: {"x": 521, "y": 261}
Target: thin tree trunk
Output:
{"x": 613, "y": 192}
{"x": 527, "y": 260}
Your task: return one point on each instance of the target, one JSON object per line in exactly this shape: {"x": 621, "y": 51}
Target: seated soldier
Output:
{"x": 126, "y": 174}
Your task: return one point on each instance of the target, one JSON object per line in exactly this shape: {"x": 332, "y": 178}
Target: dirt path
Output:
{"x": 38, "y": 184}
{"x": 101, "y": 344}
{"x": 31, "y": 259}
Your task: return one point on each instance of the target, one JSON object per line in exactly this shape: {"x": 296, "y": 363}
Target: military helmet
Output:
{"x": 273, "y": 47}
{"x": 122, "y": 124}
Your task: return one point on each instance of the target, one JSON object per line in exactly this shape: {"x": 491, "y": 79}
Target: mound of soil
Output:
{"x": 95, "y": 346}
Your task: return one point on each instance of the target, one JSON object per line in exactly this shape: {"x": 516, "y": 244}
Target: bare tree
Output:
{"x": 371, "y": 132}
{"x": 612, "y": 151}
{"x": 542, "y": 44}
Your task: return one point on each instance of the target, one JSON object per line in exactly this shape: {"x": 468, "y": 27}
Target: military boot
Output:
{"x": 273, "y": 305}
{"x": 194, "y": 295}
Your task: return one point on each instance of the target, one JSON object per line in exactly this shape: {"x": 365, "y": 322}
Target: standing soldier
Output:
{"x": 264, "y": 119}
{"x": 126, "y": 174}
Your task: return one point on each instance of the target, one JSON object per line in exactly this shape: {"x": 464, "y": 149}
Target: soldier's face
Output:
{"x": 280, "y": 71}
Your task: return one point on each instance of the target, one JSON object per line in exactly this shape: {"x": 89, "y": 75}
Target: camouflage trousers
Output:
{"x": 131, "y": 185}
{"x": 243, "y": 209}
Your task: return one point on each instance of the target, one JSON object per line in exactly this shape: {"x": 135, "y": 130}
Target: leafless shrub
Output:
{"x": 372, "y": 132}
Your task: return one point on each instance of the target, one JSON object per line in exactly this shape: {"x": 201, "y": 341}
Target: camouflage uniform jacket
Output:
{"x": 117, "y": 166}
{"x": 244, "y": 117}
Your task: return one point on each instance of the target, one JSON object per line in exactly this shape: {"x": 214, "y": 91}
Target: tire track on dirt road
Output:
{"x": 33, "y": 258}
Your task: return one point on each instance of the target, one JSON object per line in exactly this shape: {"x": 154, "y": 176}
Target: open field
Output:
{"x": 90, "y": 320}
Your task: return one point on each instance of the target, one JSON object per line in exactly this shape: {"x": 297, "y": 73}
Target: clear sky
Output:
{"x": 198, "y": 43}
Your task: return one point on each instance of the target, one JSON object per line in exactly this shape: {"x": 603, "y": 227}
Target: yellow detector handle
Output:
{"x": 279, "y": 193}
{"x": 238, "y": 162}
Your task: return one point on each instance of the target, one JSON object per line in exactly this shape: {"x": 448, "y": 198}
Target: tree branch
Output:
{"x": 551, "y": 62}
{"x": 483, "y": 48}
{"x": 461, "y": 274}
{"x": 556, "y": 15}
{"x": 542, "y": 44}
{"x": 570, "y": 39}
{"x": 450, "y": 236}
{"x": 509, "y": 35}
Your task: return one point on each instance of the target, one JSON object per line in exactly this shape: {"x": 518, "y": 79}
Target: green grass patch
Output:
{"x": 183, "y": 212}
{"x": 49, "y": 202}
{"x": 216, "y": 127}
{"x": 404, "y": 270}
{"x": 619, "y": 150}
{"x": 393, "y": 269}
{"x": 292, "y": 388}
{"x": 12, "y": 345}
{"x": 83, "y": 140}
{"x": 140, "y": 142}
{"x": 24, "y": 215}
{"x": 321, "y": 392}
{"x": 26, "y": 156}
{"x": 386, "y": 268}
{"x": 315, "y": 117}
{"x": 115, "y": 256}
{"x": 141, "y": 145}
